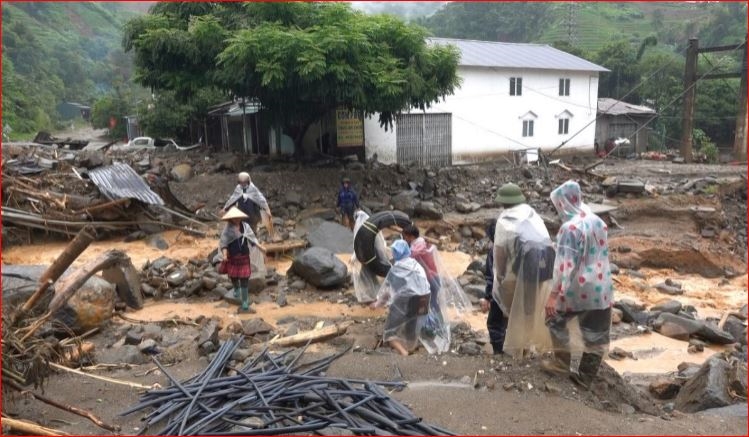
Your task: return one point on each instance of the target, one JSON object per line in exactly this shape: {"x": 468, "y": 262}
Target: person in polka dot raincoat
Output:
{"x": 582, "y": 287}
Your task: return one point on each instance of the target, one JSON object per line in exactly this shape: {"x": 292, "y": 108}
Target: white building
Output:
{"x": 512, "y": 97}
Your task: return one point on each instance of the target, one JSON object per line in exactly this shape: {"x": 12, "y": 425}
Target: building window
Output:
{"x": 564, "y": 87}
{"x": 516, "y": 86}
{"x": 564, "y": 126}
{"x": 527, "y": 128}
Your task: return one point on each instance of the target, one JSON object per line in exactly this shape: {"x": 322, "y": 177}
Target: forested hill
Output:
{"x": 591, "y": 25}
{"x": 59, "y": 51}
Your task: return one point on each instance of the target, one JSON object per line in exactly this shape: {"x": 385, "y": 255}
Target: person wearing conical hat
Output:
{"x": 235, "y": 244}
{"x": 248, "y": 198}
{"x": 523, "y": 267}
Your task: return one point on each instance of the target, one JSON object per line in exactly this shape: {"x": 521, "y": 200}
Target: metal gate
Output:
{"x": 425, "y": 139}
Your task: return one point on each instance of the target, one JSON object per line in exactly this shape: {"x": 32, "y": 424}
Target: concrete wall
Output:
{"x": 488, "y": 122}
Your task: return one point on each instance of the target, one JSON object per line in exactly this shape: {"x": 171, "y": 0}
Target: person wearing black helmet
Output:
{"x": 348, "y": 203}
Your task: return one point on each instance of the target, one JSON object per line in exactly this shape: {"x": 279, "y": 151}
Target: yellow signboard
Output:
{"x": 349, "y": 128}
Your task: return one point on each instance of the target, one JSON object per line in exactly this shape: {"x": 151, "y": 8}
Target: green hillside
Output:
{"x": 59, "y": 51}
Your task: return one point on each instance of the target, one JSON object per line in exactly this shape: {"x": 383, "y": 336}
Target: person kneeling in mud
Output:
{"x": 406, "y": 292}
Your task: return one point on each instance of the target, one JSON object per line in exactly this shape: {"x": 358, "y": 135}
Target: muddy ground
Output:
{"x": 660, "y": 235}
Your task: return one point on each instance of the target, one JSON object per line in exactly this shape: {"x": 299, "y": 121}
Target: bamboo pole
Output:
{"x": 103, "y": 378}
{"x": 314, "y": 335}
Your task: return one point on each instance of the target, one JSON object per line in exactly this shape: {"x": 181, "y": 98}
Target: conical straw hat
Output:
{"x": 234, "y": 213}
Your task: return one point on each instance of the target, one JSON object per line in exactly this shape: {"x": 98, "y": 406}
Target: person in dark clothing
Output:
{"x": 496, "y": 322}
{"x": 347, "y": 204}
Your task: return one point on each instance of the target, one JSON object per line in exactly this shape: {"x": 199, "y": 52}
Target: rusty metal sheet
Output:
{"x": 120, "y": 181}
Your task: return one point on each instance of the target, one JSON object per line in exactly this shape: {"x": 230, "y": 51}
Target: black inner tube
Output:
{"x": 364, "y": 240}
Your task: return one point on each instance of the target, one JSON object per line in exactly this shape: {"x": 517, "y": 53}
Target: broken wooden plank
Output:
{"x": 104, "y": 378}
{"x": 314, "y": 335}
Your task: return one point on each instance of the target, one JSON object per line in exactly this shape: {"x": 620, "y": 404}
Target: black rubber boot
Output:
{"x": 498, "y": 348}
{"x": 589, "y": 364}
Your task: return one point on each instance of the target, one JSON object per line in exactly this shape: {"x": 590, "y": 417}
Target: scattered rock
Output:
{"x": 293, "y": 199}
{"x": 670, "y": 306}
{"x": 241, "y": 354}
{"x": 281, "y": 300}
{"x": 330, "y": 235}
{"x": 208, "y": 338}
{"x": 127, "y": 354}
{"x": 158, "y": 242}
{"x": 469, "y": 348}
{"x": 616, "y": 315}
{"x": 664, "y": 388}
{"x": 736, "y": 328}
{"x": 181, "y": 172}
{"x": 630, "y": 313}
{"x": 428, "y": 210}
{"x": 208, "y": 283}
{"x": 668, "y": 289}
{"x": 133, "y": 337}
{"x": 320, "y": 267}
{"x": 614, "y": 268}
{"x": 255, "y": 326}
{"x": 405, "y": 201}
{"x": 508, "y": 386}
{"x": 707, "y": 389}
{"x": 148, "y": 346}
{"x": 177, "y": 278}
{"x": 476, "y": 291}
{"x": 89, "y": 307}
{"x": 153, "y": 331}
{"x": 551, "y": 388}
{"x": 298, "y": 285}
{"x": 467, "y": 207}
{"x": 619, "y": 354}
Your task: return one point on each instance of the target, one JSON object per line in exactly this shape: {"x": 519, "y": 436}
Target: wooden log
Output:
{"x": 284, "y": 246}
{"x": 30, "y": 428}
{"x": 314, "y": 335}
{"x": 100, "y": 206}
{"x": 58, "y": 267}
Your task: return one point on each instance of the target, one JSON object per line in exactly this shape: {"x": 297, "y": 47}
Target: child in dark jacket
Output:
{"x": 348, "y": 203}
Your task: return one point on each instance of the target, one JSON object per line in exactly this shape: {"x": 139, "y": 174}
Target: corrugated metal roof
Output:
{"x": 516, "y": 55}
{"x": 120, "y": 181}
{"x": 617, "y": 107}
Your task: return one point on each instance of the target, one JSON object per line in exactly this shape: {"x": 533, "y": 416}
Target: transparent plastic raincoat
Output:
{"x": 448, "y": 301}
{"x": 406, "y": 293}
{"x": 582, "y": 276}
{"x": 366, "y": 283}
{"x": 522, "y": 287}
{"x": 253, "y": 193}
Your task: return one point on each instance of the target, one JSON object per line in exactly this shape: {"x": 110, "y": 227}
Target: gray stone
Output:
{"x": 687, "y": 369}
{"x": 229, "y": 297}
{"x": 405, "y": 201}
{"x": 428, "y": 210}
{"x": 477, "y": 265}
{"x": 177, "y": 278}
{"x": 209, "y": 333}
{"x": 710, "y": 332}
{"x": 161, "y": 263}
{"x": 181, "y": 172}
{"x": 127, "y": 354}
{"x": 320, "y": 267}
{"x": 668, "y": 289}
{"x": 148, "y": 346}
{"x": 671, "y": 306}
{"x": 148, "y": 290}
{"x": 255, "y": 326}
{"x": 466, "y": 232}
{"x": 676, "y": 326}
{"x": 614, "y": 268}
{"x": 469, "y": 348}
{"x": 158, "y": 242}
{"x": 153, "y": 331}
{"x": 281, "y": 300}
{"x": 616, "y": 316}
{"x": 329, "y": 235}
{"x": 630, "y": 313}
{"x": 208, "y": 283}
{"x": 298, "y": 285}
{"x": 707, "y": 389}
{"x": 467, "y": 207}
{"x": 133, "y": 337}
{"x": 257, "y": 283}
{"x": 293, "y": 199}
{"x": 736, "y": 328}
{"x": 241, "y": 354}
{"x": 127, "y": 283}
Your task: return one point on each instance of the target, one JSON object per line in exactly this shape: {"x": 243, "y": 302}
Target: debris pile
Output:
{"x": 277, "y": 395}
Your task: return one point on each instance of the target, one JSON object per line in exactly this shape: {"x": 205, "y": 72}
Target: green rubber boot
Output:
{"x": 245, "y": 306}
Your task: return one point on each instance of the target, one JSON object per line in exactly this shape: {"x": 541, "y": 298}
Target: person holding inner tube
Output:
{"x": 347, "y": 203}
{"x": 406, "y": 292}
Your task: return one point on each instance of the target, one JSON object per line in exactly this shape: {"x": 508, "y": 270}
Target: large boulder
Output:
{"x": 181, "y": 172}
{"x": 736, "y": 328}
{"x": 669, "y": 306}
{"x": 405, "y": 201}
{"x": 320, "y": 267}
{"x": 90, "y": 306}
{"x": 707, "y": 389}
{"x": 329, "y": 235}
{"x": 428, "y": 210}
{"x": 675, "y": 326}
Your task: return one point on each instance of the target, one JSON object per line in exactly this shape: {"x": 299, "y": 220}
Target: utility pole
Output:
{"x": 690, "y": 79}
{"x": 739, "y": 142}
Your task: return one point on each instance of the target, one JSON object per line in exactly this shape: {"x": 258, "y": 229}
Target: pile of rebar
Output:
{"x": 274, "y": 395}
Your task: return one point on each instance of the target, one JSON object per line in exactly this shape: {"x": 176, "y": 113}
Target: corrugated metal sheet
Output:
{"x": 425, "y": 139}
{"x": 120, "y": 181}
{"x": 617, "y": 107}
{"x": 516, "y": 55}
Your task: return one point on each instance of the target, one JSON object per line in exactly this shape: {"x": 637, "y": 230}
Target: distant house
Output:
{"x": 71, "y": 110}
{"x": 513, "y": 97}
{"x": 618, "y": 119}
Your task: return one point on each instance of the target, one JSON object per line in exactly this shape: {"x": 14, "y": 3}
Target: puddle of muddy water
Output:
{"x": 656, "y": 353}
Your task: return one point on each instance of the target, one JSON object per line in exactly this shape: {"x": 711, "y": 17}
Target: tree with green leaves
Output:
{"x": 300, "y": 60}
